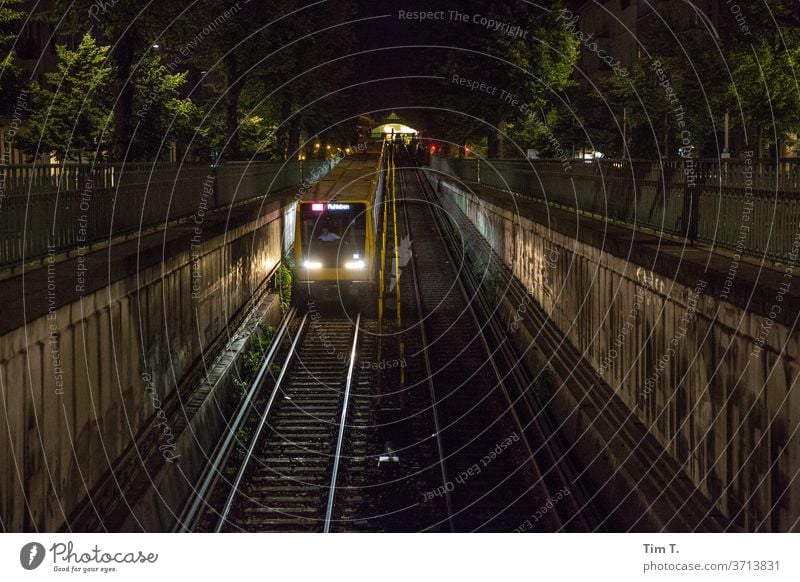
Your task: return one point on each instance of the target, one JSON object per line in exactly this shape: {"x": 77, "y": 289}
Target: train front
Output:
{"x": 333, "y": 258}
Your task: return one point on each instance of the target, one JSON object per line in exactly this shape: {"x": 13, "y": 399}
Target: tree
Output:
{"x": 768, "y": 91}
{"x": 73, "y": 113}
{"x": 748, "y": 68}
{"x": 11, "y": 81}
{"x": 318, "y": 91}
{"x": 129, "y": 28}
{"x": 232, "y": 40}
{"x": 523, "y": 68}
{"x": 765, "y": 68}
{"x": 160, "y": 112}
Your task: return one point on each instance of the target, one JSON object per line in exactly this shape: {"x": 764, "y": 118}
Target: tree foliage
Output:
{"x": 523, "y": 64}
{"x": 10, "y": 78}
{"x": 71, "y": 116}
{"x": 691, "y": 73}
{"x": 161, "y": 115}
{"x": 130, "y": 29}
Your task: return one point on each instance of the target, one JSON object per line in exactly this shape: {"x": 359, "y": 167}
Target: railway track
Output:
{"x": 454, "y": 443}
{"x": 501, "y": 468}
{"x": 305, "y": 438}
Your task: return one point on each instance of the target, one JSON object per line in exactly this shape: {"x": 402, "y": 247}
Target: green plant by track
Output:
{"x": 260, "y": 341}
{"x": 285, "y": 276}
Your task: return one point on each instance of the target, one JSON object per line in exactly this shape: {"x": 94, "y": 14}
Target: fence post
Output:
{"x": 215, "y": 175}
{"x": 690, "y": 212}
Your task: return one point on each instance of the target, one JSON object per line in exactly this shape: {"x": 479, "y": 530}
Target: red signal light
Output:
{"x": 317, "y": 207}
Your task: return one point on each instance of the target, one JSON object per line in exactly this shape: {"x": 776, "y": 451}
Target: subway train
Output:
{"x": 336, "y": 230}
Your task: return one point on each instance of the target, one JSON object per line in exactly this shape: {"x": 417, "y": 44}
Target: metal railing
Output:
{"x": 47, "y": 209}
{"x": 747, "y": 205}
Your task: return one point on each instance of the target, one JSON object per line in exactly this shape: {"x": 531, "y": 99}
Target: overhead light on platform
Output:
{"x": 312, "y": 265}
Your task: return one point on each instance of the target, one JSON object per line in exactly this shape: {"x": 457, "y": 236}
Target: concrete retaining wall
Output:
{"x": 679, "y": 357}
{"x": 174, "y": 485}
{"x": 74, "y": 382}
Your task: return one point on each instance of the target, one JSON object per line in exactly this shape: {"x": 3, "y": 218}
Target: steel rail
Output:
{"x": 224, "y": 450}
{"x": 506, "y": 350}
{"x": 223, "y": 518}
{"x": 586, "y": 515}
{"x": 447, "y": 236}
{"x": 429, "y": 376}
{"x": 342, "y": 430}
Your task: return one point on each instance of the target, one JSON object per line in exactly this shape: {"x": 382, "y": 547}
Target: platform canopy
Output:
{"x": 392, "y": 125}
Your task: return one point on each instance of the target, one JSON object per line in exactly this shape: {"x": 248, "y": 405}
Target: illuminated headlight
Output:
{"x": 312, "y": 265}
{"x": 354, "y": 265}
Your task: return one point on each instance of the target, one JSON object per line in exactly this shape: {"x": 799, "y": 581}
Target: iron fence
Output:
{"x": 51, "y": 208}
{"x": 747, "y": 205}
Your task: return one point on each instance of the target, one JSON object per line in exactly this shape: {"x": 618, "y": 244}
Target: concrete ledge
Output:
{"x": 160, "y": 508}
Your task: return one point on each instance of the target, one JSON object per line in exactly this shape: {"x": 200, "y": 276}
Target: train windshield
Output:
{"x": 334, "y": 233}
